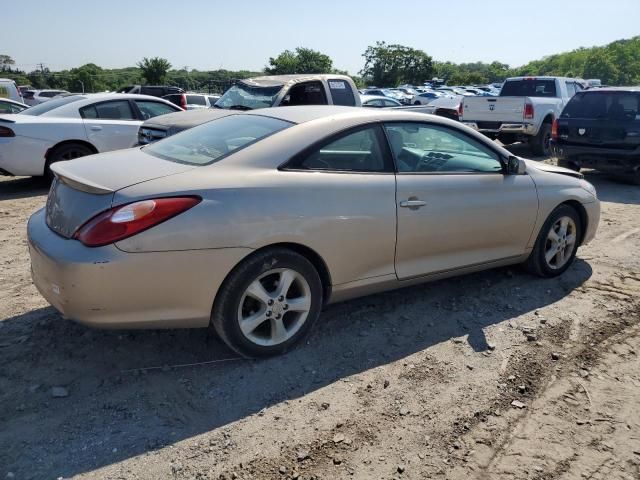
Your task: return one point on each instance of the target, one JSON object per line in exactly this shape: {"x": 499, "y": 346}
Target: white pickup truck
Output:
{"x": 524, "y": 110}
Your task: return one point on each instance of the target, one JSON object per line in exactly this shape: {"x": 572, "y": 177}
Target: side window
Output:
{"x": 571, "y": 89}
{"x": 374, "y": 103}
{"x": 307, "y": 93}
{"x": 196, "y": 100}
{"x": 390, "y": 103}
{"x": 341, "y": 93}
{"x": 428, "y": 148}
{"x": 356, "y": 151}
{"x": 117, "y": 110}
{"x": 150, "y": 109}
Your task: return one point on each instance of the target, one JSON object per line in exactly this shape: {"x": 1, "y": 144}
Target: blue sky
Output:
{"x": 209, "y": 34}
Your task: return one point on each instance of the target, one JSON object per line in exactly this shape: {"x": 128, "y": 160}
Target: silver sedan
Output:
{"x": 252, "y": 222}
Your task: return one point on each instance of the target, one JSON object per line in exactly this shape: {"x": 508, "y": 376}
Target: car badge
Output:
{"x": 492, "y": 107}
{"x": 581, "y": 131}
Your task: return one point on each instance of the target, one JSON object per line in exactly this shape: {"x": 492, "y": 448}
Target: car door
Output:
{"x": 110, "y": 125}
{"x": 455, "y": 205}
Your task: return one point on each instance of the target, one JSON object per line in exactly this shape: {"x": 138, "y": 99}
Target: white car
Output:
{"x": 71, "y": 127}
{"x": 36, "y": 97}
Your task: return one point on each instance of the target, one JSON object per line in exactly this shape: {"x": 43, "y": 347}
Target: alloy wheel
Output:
{"x": 560, "y": 243}
{"x": 274, "y": 307}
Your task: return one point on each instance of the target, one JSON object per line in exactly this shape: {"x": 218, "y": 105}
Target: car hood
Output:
{"x": 545, "y": 167}
{"x": 184, "y": 120}
{"x": 108, "y": 172}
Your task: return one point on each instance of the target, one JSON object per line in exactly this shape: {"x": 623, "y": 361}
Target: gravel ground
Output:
{"x": 496, "y": 375}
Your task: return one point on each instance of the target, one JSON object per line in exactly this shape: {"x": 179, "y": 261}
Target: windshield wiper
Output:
{"x": 239, "y": 107}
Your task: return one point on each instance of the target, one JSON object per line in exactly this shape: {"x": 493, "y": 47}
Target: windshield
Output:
{"x": 51, "y": 104}
{"x": 245, "y": 97}
{"x": 212, "y": 141}
{"x": 603, "y": 105}
{"x": 529, "y": 88}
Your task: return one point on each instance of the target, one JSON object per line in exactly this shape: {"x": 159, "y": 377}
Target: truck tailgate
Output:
{"x": 493, "y": 109}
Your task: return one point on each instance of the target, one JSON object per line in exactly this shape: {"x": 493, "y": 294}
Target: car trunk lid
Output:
{"x": 84, "y": 187}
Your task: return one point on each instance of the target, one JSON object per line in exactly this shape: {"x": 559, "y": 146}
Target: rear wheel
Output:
{"x": 557, "y": 243}
{"x": 540, "y": 143}
{"x": 68, "y": 151}
{"x": 268, "y": 303}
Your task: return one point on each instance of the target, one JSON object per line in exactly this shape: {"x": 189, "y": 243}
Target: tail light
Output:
{"x": 461, "y": 108}
{"x": 528, "y": 110}
{"x": 6, "y": 132}
{"x": 183, "y": 101}
{"x": 125, "y": 221}
{"x": 554, "y": 129}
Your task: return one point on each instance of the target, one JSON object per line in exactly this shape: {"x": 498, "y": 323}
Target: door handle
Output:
{"x": 412, "y": 203}
{"x": 96, "y": 128}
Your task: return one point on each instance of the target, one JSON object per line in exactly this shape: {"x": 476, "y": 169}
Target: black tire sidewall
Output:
{"x": 224, "y": 316}
{"x": 56, "y": 156}
{"x": 538, "y": 142}
{"x": 541, "y": 263}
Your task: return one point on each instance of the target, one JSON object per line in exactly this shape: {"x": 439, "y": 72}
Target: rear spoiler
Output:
{"x": 78, "y": 183}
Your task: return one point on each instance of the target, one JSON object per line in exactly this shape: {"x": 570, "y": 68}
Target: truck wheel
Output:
{"x": 540, "y": 143}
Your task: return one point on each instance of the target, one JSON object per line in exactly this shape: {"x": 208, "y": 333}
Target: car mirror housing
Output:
{"x": 516, "y": 166}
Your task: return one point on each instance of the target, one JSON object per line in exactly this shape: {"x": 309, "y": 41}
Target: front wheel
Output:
{"x": 268, "y": 303}
{"x": 557, "y": 243}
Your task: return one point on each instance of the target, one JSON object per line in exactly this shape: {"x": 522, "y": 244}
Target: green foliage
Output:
{"x": 5, "y": 62}
{"x": 391, "y": 65}
{"x": 617, "y": 63}
{"x": 302, "y": 60}
{"x": 154, "y": 70}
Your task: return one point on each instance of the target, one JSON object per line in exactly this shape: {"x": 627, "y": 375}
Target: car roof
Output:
{"x": 614, "y": 89}
{"x": 275, "y": 80}
{"x": 366, "y": 97}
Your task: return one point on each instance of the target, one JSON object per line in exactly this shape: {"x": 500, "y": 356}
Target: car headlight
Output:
{"x": 588, "y": 187}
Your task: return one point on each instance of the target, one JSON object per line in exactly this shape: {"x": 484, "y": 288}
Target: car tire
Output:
{"x": 571, "y": 165}
{"x": 552, "y": 238}
{"x": 61, "y": 153}
{"x": 262, "y": 322}
{"x": 417, "y": 103}
{"x": 540, "y": 142}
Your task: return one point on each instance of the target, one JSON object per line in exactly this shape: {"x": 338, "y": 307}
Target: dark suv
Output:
{"x": 154, "y": 90}
{"x": 600, "y": 129}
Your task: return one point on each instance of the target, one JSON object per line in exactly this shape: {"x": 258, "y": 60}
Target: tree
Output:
{"x": 154, "y": 70}
{"x": 302, "y": 60}
{"x": 599, "y": 65}
{"x": 391, "y": 65}
{"x": 5, "y": 62}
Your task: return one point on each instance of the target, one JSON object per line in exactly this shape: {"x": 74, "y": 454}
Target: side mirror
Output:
{"x": 516, "y": 166}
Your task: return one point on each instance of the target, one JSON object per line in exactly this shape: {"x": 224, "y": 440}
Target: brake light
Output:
{"x": 554, "y": 129}
{"x": 6, "y": 132}
{"x": 183, "y": 101}
{"x": 461, "y": 108}
{"x": 127, "y": 220}
{"x": 528, "y": 110}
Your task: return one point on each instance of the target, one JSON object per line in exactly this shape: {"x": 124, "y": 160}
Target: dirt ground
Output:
{"x": 496, "y": 375}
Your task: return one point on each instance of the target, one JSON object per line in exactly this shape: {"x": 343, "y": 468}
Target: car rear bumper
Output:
{"x": 501, "y": 127}
{"x": 108, "y": 288}
{"x": 609, "y": 159}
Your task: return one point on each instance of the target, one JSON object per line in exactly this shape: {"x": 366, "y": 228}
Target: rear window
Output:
{"x": 604, "y": 105}
{"x": 50, "y": 94}
{"x": 212, "y": 141}
{"x": 52, "y": 104}
{"x": 529, "y": 88}
{"x": 196, "y": 100}
{"x": 341, "y": 93}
